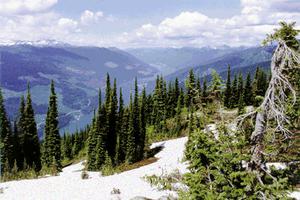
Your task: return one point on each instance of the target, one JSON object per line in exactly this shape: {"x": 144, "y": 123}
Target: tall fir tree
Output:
{"x": 31, "y": 145}
{"x": 228, "y": 93}
{"x": 234, "y": 97}
{"x": 112, "y": 119}
{"x": 190, "y": 89}
{"x": 248, "y": 94}
{"x": 142, "y": 135}
{"x": 52, "y": 148}
{"x": 5, "y": 138}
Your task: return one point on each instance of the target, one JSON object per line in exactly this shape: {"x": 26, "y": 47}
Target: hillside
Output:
{"x": 77, "y": 71}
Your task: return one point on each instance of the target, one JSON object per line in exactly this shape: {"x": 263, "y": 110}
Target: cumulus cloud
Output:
{"x": 257, "y": 18}
{"x": 34, "y": 20}
{"x": 88, "y": 17}
{"x": 11, "y": 7}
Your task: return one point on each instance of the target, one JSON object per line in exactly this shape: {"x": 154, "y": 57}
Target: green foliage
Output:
{"x": 287, "y": 33}
{"x": 51, "y": 145}
{"x": 217, "y": 171}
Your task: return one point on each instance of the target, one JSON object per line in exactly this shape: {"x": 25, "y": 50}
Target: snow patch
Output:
{"x": 69, "y": 185}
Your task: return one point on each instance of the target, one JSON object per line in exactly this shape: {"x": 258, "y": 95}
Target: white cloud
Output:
{"x": 257, "y": 18}
{"x": 11, "y": 7}
{"x": 32, "y": 20}
{"x": 88, "y": 17}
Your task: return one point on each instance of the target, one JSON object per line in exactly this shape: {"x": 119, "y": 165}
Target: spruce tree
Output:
{"x": 52, "y": 148}
{"x": 191, "y": 89}
{"x": 21, "y": 129}
{"x": 204, "y": 90}
{"x": 5, "y": 138}
{"x": 136, "y": 120}
{"x": 31, "y": 145}
{"x": 112, "y": 120}
{"x": 121, "y": 144}
{"x": 248, "y": 95}
{"x": 234, "y": 97}
{"x": 142, "y": 135}
{"x": 227, "y": 93}
{"x": 131, "y": 145}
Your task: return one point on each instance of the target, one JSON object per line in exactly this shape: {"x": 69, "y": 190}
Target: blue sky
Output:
{"x": 144, "y": 23}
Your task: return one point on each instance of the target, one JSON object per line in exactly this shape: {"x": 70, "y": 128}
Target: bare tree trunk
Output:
{"x": 274, "y": 103}
{"x": 257, "y": 138}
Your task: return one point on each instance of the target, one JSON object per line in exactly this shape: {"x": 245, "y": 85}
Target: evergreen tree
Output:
{"x": 21, "y": 124}
{"x": 52, "y": 148}
{"x": 31, "y": 145}
{"x": 130, "y": 150}
{"x": 136, "y": 120}
{"x": 227, "y": 93}
{"x": 121, "y": 144}
{"x": 5, "y": 138}
{"x": 204, "y": 90}
{"x": 17, "y": 147}
{"x": 248, "y": 95}
{"x": 142, "y": 135}
{"x": 112, "y": 122}
{"x": 191, "y": 89}
{"x": 240, "y": 90}
{"x": 234, "y": 97}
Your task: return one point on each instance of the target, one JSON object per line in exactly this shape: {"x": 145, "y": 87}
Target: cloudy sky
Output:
{"x": 144, "y": 23}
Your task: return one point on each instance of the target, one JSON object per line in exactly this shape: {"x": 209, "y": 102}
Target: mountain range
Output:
{"x": 79, "y": 71}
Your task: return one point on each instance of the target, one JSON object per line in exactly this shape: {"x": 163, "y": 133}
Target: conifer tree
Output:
{"x": 234, "y": 97}
{"x": 228, "y": 93}
{"x": 142, "y": 135}
{"x": 21, "y": 130}
{"x": 240, "y": 90}
{"x": 52, "y": 148}
{"x": 121, "y": 144}
{"x": 248, "y": 95}
{"x": 131, "y": 150}
{"x": 176, "y": 90}
{"x": 191, "y": 89}
{"x": 204, "y": 90}
{"x": 31, "y": 145}
{"x": 136, "y": 120}
{"x": 112, "y": 122}
{"x": 5, "y": 138}
{"x": 17, "y": 147}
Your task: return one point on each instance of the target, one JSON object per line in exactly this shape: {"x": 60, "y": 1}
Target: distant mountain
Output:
{"x": 78, "y": 72}
{"x": 244, "y": 60}
{"x": 170, "y": 60}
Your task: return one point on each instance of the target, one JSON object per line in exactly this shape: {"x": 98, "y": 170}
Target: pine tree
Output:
{"x": 204, "y": 90}
{"x": 5, "y": 138}
{"x": 136, "y": 120}
{"x": 130, "y": 149}
{"x": 248, "y": 95}
{"x": 191, "y": 89}
{"x": 240, "y": 90}
{"x": 121, "y": 144}
{"x": 142, "y": 135}
{"x": 31, "y": 145}
{"x": 91, "y": 147}
{"x": 21, "y": 124}
{"x": 227, "y": 93}
{"x": 176, "y": 90}
{"x": 17, "y": 147}
{"x": 52, "y": 148}
{"x": 234, "y": 97}
{"x": 112, "y": 122}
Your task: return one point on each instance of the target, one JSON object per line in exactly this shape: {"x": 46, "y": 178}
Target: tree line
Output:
{"x": 117, "y": 133}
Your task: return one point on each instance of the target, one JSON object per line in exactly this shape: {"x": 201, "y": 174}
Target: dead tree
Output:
{"x": 273, "y": 107}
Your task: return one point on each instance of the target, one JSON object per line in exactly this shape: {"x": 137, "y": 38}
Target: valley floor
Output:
{"x": 69, "y": 185}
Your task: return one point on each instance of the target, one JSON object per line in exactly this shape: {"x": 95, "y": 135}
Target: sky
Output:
{"x": 144, "y": 23}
